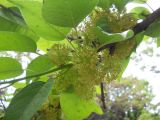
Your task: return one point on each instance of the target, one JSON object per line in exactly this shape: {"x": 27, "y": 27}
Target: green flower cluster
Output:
{"x": 84, "y": 74}
{"x": 59, "y": 54}
{"x": 90, "y": 67}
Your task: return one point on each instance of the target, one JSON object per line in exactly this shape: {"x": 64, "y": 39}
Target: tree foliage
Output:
{"x": 91, "y": 40}
{"x": 128, "y": 99}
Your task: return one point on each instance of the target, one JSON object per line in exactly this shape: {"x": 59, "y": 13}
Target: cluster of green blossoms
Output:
{"x": 84, "y": 74}
{"x": 111, "y": 22}
{"x": 90, "y": 67}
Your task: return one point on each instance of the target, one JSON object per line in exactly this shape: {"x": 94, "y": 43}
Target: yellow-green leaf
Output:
{"x": 31, "y": 11}
{"x": 9, "y": 68}
{"x": 28, "y": 101}
{"x": 107, "y": 38}
{"x": 76, "y": 108}
{"x": 12, "y": 41}
{"x": 67, "y": 13}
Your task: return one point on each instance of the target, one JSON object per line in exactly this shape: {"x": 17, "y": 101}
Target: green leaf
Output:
{"x": 11, "y": 41}
{"x": 7, "y": 25}
{"x": 153, "y": 30}
{"x": 45, "y": 44}
{"x": 76, "y": 108}
{"x": 28, "y": 101}
{"x": 158, "y": 42}
{"x": 107, "y": 38}
{"x": 103, "y": 24}
{"x": 19, "y": 85}
{"x": 31, "y": 11}
{"x": 105, "y": 4}
{"x": 6, "y": 3}
{"x": 39, "y": 65}
{"x": 139, "y": 38}
{"x": 11, "y": 22}
{"x": 124, "y": 65}
{"x": 67, "y": 13}
{"x": 9, "y": 68}
{"x": 12, "y": 14}
{"x": 140, "y": 12}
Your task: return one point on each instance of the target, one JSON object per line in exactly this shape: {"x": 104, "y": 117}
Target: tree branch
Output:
{"x": 138, "y": 28}
{"x": 38, "y": 75}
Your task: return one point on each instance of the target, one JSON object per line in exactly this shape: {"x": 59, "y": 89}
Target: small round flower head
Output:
{"x": 59, "y": 54}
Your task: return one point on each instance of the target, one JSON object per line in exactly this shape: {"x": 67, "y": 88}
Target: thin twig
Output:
{"x": 103, "y": 97}
{"x": 6, "y": 86}
{"x": 38, "y": 75}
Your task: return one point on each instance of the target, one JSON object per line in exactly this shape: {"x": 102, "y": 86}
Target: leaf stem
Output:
{"x": 38, "y": 75}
